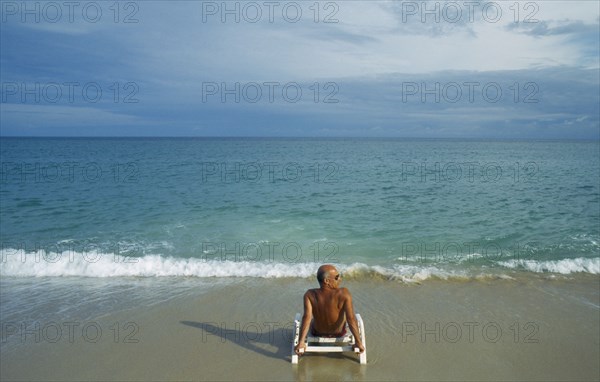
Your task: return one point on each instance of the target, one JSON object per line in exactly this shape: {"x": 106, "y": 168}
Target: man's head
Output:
{"x": 328, "y": 275}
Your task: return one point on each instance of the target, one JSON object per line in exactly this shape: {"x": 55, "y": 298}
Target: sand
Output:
{"x": 528, "y": 329}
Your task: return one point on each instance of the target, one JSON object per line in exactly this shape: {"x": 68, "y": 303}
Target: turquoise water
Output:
{"x": 403, "y": 209}
{"x": 94, "y": 226}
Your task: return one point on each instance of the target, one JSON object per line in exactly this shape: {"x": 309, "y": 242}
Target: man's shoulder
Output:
{"x": 344, "y": 292}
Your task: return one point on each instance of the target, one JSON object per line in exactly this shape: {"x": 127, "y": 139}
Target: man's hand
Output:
{"x": 301, "y": 345}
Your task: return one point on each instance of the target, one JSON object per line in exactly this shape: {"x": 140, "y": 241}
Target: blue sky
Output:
{"x": 433, "y": 69}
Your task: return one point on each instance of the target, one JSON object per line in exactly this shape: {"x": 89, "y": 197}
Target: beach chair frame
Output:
{"x": 329, "y": 345}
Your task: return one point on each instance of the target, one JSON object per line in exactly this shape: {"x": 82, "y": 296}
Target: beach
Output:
{"x": 528, "y": 329}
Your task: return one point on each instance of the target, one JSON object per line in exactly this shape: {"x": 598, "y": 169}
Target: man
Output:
{"x": 329, "y": 306}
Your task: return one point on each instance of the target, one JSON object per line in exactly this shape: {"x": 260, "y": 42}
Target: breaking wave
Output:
{"x": 18, "y": 263}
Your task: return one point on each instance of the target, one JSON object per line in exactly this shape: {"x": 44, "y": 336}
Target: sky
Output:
{"x": 417, "y": 69}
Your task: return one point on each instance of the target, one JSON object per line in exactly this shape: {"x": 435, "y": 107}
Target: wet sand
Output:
{"x": 528, "y": 329}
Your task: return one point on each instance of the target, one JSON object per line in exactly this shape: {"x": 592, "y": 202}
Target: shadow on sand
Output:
{"x": 254, "y": 338}
{"x": 251, "y": 336}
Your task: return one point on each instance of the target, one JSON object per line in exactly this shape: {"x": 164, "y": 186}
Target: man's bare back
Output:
{"x": 328, "y": 310}
{"x": 329, "y": 307}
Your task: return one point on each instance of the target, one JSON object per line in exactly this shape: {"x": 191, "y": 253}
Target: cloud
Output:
{"x": 577, "y": 34}
{"x": 545, "y": 103}
{"x": 369, "y": 52}
{"x": 553, "y": 28}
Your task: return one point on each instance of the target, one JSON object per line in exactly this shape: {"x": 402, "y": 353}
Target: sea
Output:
{"x": 90, "y": 226}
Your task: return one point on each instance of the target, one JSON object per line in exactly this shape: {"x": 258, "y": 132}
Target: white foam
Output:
{"x": 42, "y": 264}
{"x": 404, "y": 273}
{"x": 18, "y": 263}
{"x": 565, "y": 266}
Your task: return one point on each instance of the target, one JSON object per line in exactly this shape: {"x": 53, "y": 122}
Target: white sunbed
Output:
{"x": 327, "y": 344}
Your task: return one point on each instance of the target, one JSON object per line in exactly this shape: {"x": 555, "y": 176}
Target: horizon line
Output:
{"x": 288, "y": 137}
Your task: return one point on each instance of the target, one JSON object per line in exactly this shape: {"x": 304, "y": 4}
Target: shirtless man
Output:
{"x": 330, "y": 306}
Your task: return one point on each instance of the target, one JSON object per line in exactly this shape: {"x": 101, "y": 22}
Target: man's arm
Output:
{"x": 351, "y": 318}
{"x": 305, "y": 323}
